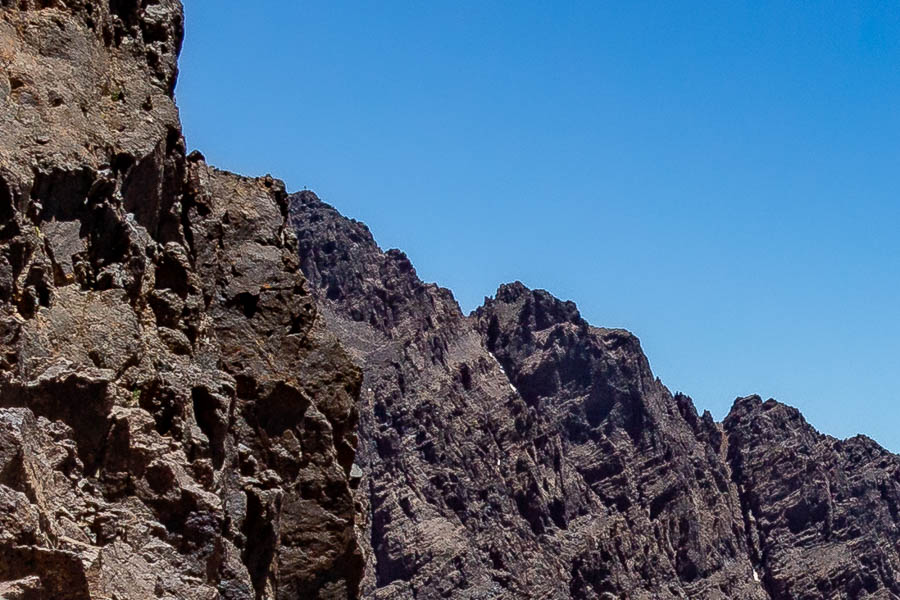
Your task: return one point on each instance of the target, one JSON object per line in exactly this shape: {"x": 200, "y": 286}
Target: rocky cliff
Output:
{"x": 519, "y": 452}
{"x": 175, "y": 421}
{"x": 182, "y": 388}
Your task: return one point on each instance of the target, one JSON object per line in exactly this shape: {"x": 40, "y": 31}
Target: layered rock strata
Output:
{"x": 519, "y": 452}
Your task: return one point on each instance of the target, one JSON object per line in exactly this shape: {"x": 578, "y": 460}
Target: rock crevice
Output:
{"x": 176, "y": 420}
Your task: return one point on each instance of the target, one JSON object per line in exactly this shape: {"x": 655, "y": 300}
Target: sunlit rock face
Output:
{"x": 823, "y": 513}
{"x": 182, "y": 388}
{"x": 521, "y": 453}
{"x": 175, "y": 422}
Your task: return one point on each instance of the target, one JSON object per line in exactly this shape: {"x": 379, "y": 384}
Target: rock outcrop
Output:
{"x": 521, "y": 453}
{"x": 180, "y": 401}
{"x": 824, "y": 514}
{"x": 175, "y": 422}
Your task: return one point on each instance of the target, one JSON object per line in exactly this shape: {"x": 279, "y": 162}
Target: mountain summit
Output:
{"x": 520, "y": 452}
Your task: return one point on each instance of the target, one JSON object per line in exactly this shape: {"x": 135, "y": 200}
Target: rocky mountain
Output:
{"x": 519, "y": 452}
{"x": 175, "y": 421}
{"x": 211, "y": 389}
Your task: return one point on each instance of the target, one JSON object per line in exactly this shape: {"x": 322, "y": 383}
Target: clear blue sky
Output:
{"x": 721, "y": 178}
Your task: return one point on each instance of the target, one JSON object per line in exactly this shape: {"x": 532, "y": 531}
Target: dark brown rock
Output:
{"x": 823, "y": 512}
{"x": 175, "y": 422}
{"x": 179, "y": 408}
{"x": 522, "y": 453}
{"x": 518, "y": 452}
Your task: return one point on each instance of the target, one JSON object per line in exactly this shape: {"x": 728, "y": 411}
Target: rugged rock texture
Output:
{"x": 521, "y": 453}
{"x": 178, "y": 418}
{"x": 824, "y": 513}
{"x": 649, "y": 465}
{"x": 175, "y": 422}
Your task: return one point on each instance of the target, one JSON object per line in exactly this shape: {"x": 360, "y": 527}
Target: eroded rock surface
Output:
{"x": 521, "y": 453}
{"x": 180, "y": 405}
{"x": 175, "y": 422}
{"x": 824, "y": 514}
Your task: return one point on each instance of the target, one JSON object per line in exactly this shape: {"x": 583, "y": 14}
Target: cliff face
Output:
{"x": 824, "y": 513}
{"x": 521, "y": 453}
{"x": 175, "y": 422}
{"x": 180, "y": 405}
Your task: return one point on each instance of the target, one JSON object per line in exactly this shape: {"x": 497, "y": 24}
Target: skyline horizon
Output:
{"x": 469, "y": 313}
{"x": 722, "y": 187}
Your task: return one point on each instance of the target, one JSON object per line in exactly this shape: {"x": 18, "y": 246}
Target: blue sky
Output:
{"x": 721, "y": 178}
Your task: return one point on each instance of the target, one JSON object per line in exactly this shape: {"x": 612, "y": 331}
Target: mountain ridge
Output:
{"x": 594, "y": 438}
{"x": 210, "y": 388}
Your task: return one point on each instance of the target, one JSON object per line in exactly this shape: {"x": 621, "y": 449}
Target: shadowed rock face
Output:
{"x": 175, "y": 422}
{"x": 521, "y": 453}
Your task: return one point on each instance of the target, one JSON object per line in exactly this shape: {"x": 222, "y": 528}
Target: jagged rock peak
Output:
{"x": 541, "y": 457}
{"x": 823, "y": 514}
{"x": 350, "y": 274}
{"x": 544, "y": 309}
{"x": 504, "y": 454}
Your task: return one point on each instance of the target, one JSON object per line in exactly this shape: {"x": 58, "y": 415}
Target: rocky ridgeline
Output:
{"x": 521, "y": 453}
{"x": 175, "y": 422}
{"x": 180, "y": 405}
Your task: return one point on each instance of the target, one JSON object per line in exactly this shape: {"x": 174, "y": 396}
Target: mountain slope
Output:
{"x": 521, "y": 453}
{"x": 180, "y": 405}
